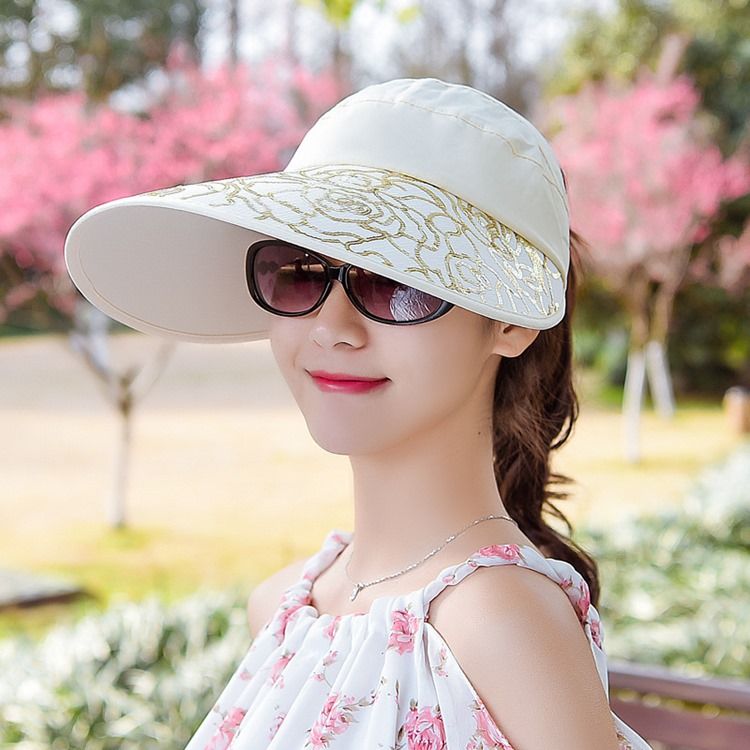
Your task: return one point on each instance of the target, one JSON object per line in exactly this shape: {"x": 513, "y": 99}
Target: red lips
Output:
{"x": 345, "y": 383}
{"x": 343, "y": 376}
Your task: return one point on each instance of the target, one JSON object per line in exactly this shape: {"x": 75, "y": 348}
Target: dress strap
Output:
{"x": 332, "y": 546}
{"x": 560, "y": 571}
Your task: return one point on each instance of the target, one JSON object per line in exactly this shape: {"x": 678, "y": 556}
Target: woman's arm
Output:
{"x": 519, "y": 641}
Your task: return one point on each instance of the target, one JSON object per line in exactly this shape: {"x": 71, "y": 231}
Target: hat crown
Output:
{"x": 458, "y": 138}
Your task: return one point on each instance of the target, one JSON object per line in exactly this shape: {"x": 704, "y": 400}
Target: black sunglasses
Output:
{"x": 289, "y": 280}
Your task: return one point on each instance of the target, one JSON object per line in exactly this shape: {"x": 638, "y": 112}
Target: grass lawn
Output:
{"x": 225, "y": 483}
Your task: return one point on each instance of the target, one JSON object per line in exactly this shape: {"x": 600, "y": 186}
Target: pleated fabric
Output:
{"x": 380, "y": 679}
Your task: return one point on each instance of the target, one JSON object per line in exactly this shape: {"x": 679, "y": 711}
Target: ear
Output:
{"x": 510, "y": 340}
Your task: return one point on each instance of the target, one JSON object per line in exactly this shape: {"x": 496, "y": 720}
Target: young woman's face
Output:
{"x": 438, "y": 372}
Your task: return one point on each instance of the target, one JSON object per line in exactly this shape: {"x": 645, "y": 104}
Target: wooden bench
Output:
{"x": 681, "y": 713}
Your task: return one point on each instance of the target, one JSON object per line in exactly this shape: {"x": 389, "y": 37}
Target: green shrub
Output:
{"x": 676, "y": 583}
{"x": 138, "y": 676}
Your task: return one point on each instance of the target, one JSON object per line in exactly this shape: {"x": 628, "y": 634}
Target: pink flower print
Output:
{"x": 278, "y": 721}
{"x": 334, "y": 718}
{"x": 278, "y": 667}
{"x": 424, "y": 728}
{"x": 488, "y": 730}
{"x": 403, "y": 626}
{"x": 222, "y": 738}
{"x": 284, "y": 618}
{"x": 503, "y": 551}
{"x": 245, "y": 675}
{"x": 579, "y": 595}
{"x": 584, "y": 601}
{"x": 330, "y": 630}
{"x": 439, "y": 668}
{"x": 328, "y": 659}
{"x": 596, "y": 634}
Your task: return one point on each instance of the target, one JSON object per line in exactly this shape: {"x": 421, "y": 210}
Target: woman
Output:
{"x": 411, "y": 267}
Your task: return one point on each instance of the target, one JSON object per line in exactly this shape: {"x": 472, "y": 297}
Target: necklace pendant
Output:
{"x": 357, "y": 588}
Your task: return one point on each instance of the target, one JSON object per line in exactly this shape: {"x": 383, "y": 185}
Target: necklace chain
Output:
{"x": 358, "y": 585}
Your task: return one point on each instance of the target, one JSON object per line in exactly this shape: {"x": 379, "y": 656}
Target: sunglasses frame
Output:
{"x": 333, "y": 273}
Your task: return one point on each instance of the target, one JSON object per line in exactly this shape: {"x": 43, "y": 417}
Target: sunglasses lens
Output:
{"x": 290, "y": 280}
{"x": 389, "y": 300}
{"x": 287, "y": 278}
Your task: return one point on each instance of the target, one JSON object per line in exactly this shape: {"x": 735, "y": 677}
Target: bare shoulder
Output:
{"x": 266, "y": 596}
{"x": 526, "y": 654}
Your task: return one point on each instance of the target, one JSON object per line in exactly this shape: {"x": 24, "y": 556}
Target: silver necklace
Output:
{"x": 358, "y": 585}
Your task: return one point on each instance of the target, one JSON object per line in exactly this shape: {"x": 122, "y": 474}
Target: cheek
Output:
{"x": 283, "y": 346}
{"x": 442, "y": 386}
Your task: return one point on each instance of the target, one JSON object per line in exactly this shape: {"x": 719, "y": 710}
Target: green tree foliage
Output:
{"x": 717, "y": 58}
{"x": 337, "y": 11}
{"x": 94, "y": 45}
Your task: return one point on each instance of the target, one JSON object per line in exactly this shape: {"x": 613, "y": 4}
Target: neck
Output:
{"x": 409, "y": 500}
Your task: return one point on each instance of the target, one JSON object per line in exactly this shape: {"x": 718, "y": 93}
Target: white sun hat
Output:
{"x": 436, "y": 185}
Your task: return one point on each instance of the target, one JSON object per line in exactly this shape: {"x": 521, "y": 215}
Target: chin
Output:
{"x": 336, "y": 439}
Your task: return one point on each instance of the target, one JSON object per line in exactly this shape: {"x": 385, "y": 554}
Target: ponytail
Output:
{"x": 534, "y": 408}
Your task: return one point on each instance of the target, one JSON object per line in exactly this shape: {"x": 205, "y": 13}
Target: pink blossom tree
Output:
{"x": 644, "y": 182}
{"x": 61, "y": 155}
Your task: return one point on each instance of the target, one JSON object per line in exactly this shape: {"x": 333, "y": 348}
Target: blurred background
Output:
{"x": 147, "y": 487}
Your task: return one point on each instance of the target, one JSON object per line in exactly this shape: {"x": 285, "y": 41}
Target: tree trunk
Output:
{"x": 342, "y": 64}
{"x": 659, "y": 379}
{"x": 117, "y": 504}
{"x": 636, "y": 302}
{"x": 122, "y": 389}
{"x": 233, "y": 33}
{"x": 632, "y": 403}
{"x": 289, "y": 45}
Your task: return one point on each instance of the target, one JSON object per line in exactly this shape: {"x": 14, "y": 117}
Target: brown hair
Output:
{"x": 534, "y": 408}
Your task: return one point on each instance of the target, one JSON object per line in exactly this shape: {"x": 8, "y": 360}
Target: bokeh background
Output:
{"x": 147, "y": 487}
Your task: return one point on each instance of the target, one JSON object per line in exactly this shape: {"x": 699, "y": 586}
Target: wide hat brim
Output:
{"x": 171, "y": 262}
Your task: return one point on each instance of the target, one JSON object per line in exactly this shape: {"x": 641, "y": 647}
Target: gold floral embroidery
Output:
{"x": 399, "y": 221}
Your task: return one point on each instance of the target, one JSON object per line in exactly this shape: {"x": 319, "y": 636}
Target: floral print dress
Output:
{"x": 380, "y": 680}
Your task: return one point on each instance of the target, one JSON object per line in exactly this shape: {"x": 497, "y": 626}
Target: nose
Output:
{"x": 337, "y": 301}
{"x": 337, "y": 320}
